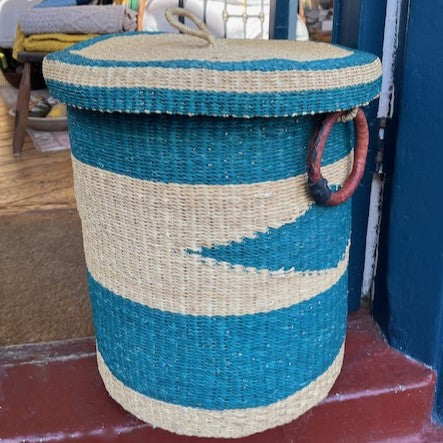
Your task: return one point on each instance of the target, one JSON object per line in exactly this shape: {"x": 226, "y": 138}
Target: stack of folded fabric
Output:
{"x": 79, "y": 20}
{"x": 60, "y": 3}
{"x": 54, "y": 25}
{"x": 49, "y": 42}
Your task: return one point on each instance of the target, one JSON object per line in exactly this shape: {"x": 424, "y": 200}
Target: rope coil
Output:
{"x": 202, "y": 32}
{"x": 348, "y": 116}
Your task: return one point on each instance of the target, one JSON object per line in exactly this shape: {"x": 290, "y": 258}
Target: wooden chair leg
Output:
{"x": 22, "y": 110}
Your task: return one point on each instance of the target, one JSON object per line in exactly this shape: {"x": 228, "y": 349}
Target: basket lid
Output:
{"x": 195, "y": 74}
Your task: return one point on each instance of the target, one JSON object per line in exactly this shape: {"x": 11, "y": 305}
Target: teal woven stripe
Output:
{"x": 214, "y": 103}
{"x": 294, "y": 245}
{"x": 219, "y": 362}
{"x": 200, "y": 150}
{"x": 356, "y": 58}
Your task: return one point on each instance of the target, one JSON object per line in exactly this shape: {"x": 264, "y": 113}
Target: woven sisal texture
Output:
{"x": 232, "y": 423}
{"x": 218, "y": 288}
{"x": 178, "y": 74}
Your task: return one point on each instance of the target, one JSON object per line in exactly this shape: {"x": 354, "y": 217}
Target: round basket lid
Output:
{"x": 200, "y": 75}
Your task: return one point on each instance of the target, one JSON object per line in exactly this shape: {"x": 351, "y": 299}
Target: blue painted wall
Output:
{"x": 409, "y": 291}
{"x": 360, "y": 24}
{"x": 285, "y": 19}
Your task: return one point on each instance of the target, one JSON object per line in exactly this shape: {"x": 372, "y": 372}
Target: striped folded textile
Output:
{"x": 89, "y": 19}
{"x": 61, "y": 3}
{"x": 55, "y": 3}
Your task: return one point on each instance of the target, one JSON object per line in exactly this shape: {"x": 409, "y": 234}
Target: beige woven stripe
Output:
{"x": 142, "y": 47}
{"x": 184, "y": 284}
{"x": 231, "y": 423}
{"x": 211, "y": 80}
{"x": 136, "y": 233}
{"x": 192, "y": 216}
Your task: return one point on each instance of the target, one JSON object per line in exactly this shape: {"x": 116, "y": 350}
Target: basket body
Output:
{"x": 218, "y": 288}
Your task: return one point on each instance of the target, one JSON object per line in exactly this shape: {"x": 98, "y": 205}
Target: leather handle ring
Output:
{"x": 317, "y": 184}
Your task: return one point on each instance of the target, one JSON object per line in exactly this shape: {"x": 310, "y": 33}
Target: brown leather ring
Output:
{"x": 317, "y": 184}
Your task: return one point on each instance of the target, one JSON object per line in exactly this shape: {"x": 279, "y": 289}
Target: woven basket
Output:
{"x": 218, "y": 285}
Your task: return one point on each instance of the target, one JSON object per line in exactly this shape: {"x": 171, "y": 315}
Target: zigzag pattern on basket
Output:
{"x": 162, "y": 239}
{"x": 281, "y": 249}
{"x": 176, "y": 292}
{"x": 218, "y": 288}
{"x": 146, "y": 250}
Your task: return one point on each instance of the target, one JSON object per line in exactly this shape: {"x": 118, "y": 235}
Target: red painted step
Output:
{"x": 53, "y": 392}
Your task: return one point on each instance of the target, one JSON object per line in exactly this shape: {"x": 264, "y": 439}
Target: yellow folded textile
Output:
{"x": 45, "y": 42}
{"x": 19, "y": 41}
{"x": 53, "y": 42}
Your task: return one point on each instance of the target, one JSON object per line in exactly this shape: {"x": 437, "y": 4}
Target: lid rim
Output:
{"x": 201, "y": 103}
{"x": 257, "y": 87}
